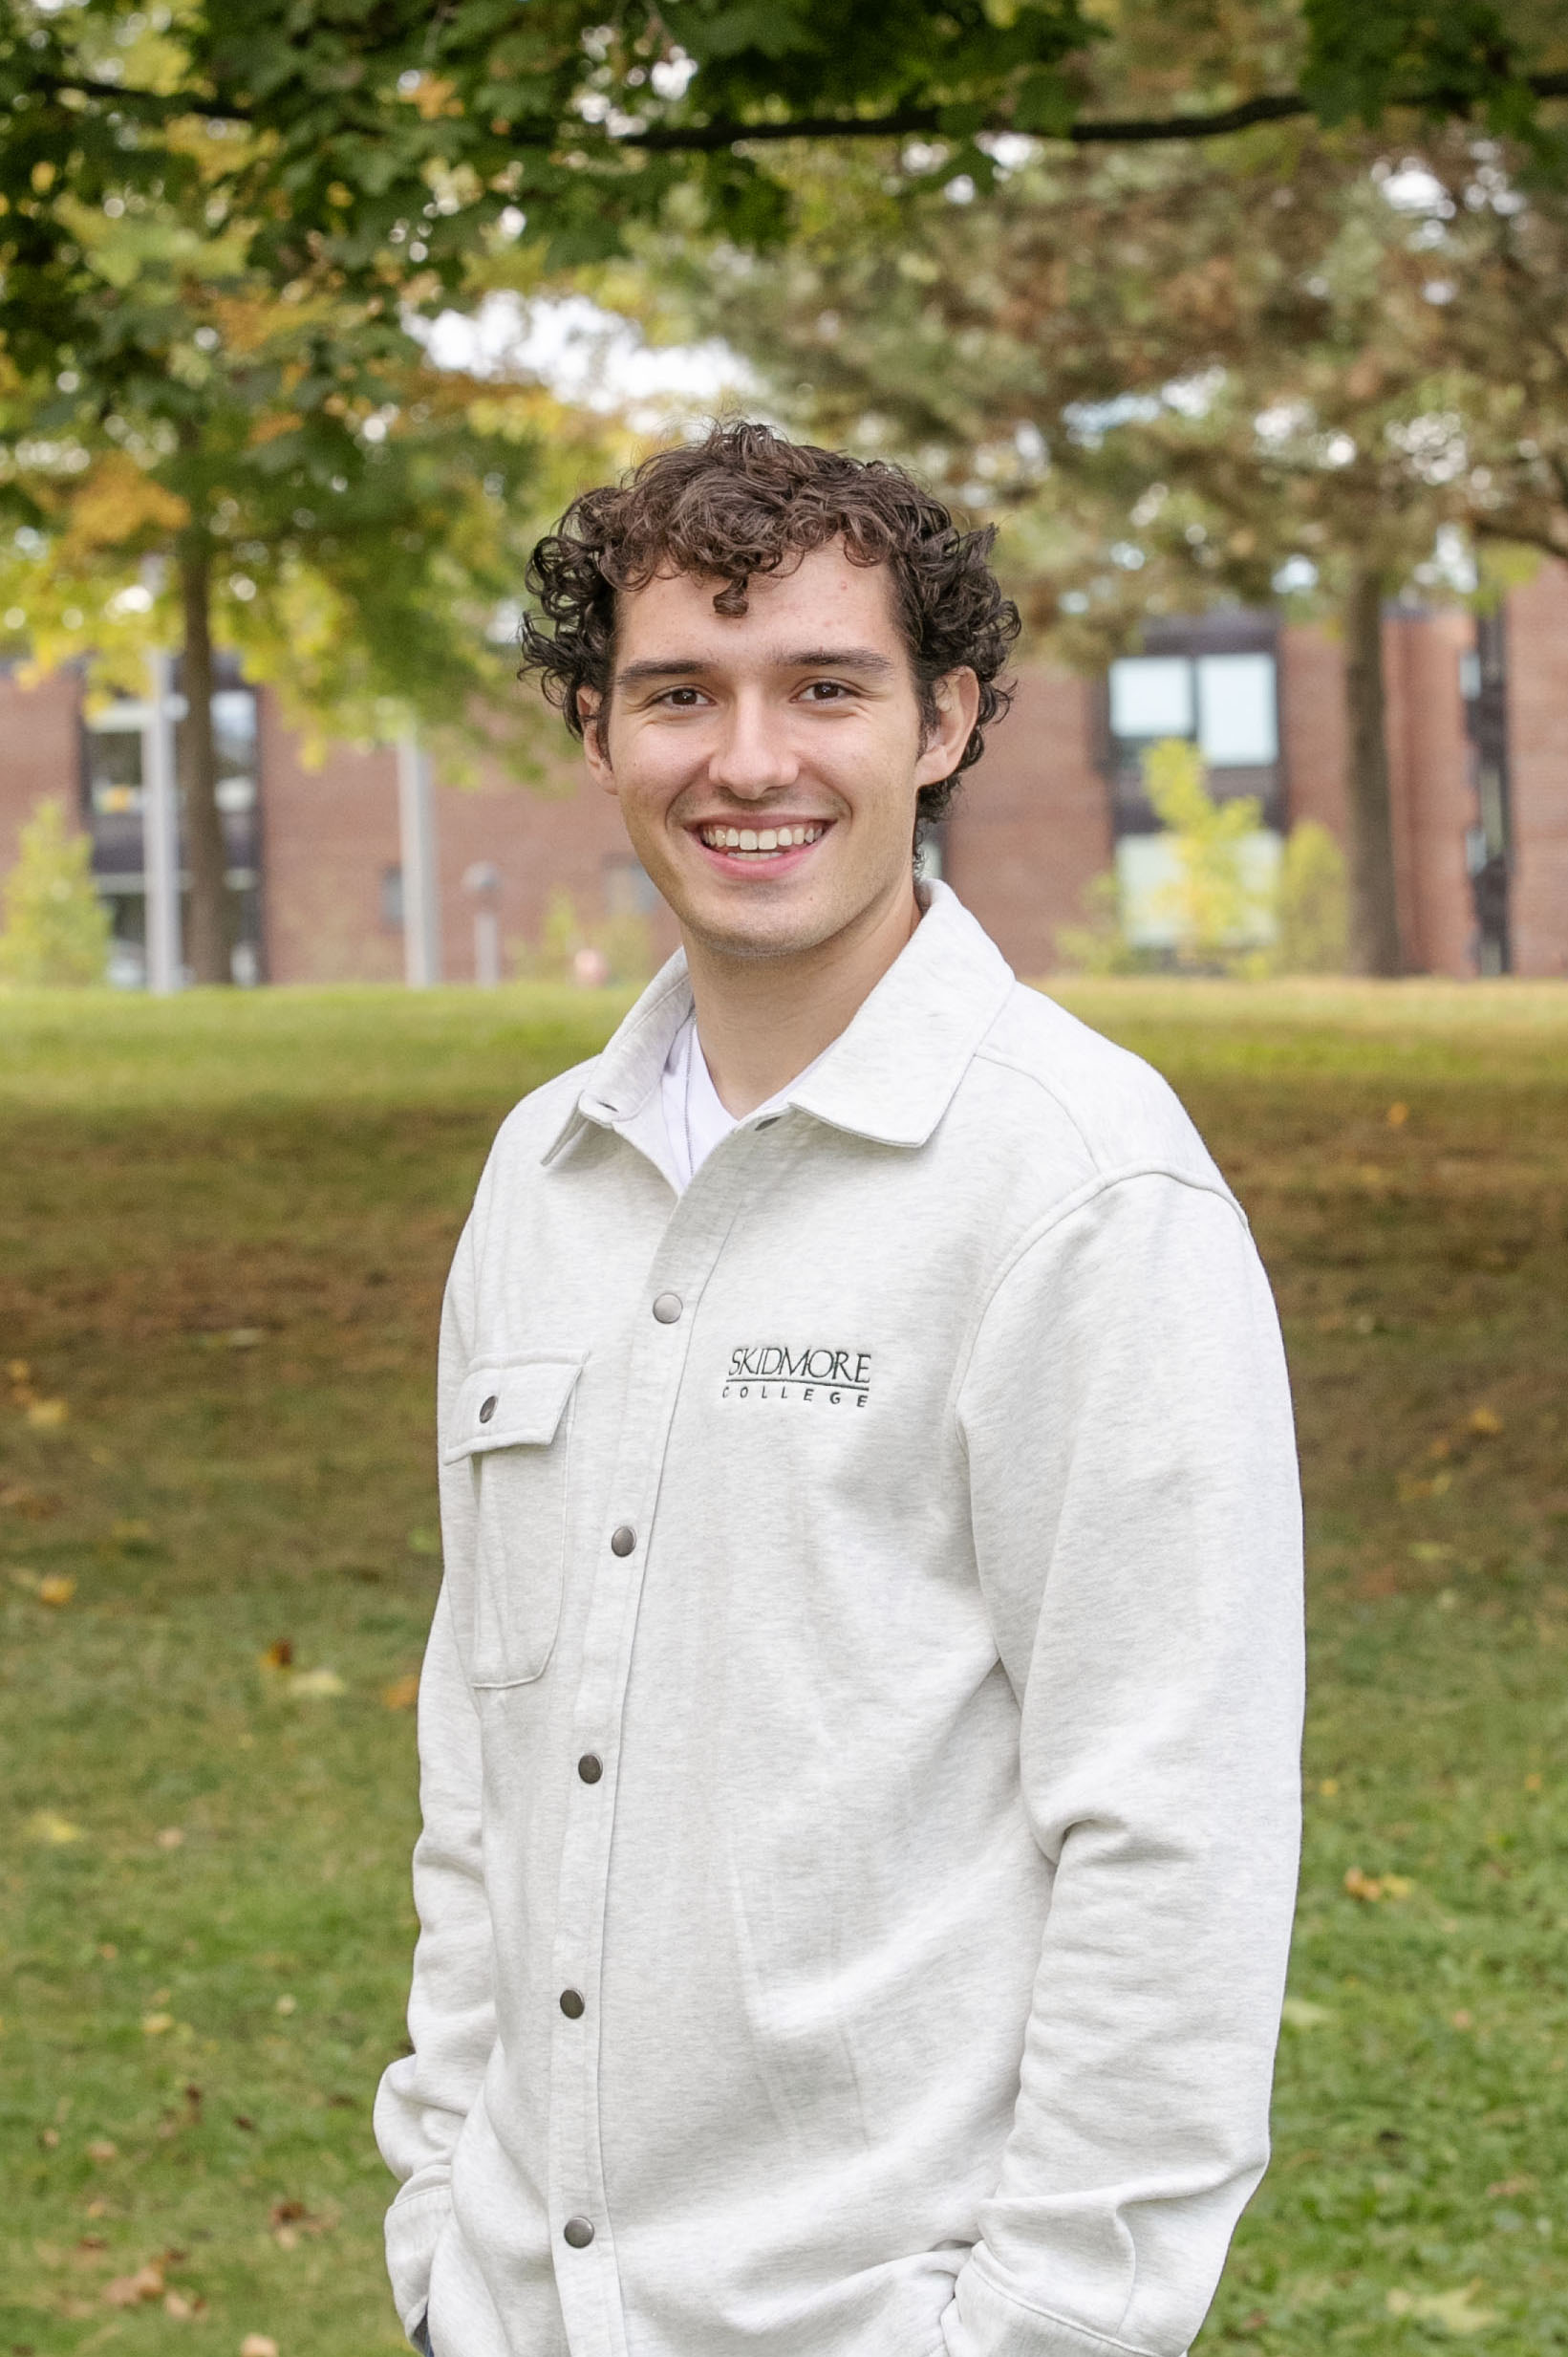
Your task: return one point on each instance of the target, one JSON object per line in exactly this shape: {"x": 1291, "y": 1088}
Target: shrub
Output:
{"x": 1312, "y": 906}
{"x": 56, "y": 929}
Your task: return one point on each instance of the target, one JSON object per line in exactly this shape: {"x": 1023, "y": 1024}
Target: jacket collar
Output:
{"x": 891, "y": 1073}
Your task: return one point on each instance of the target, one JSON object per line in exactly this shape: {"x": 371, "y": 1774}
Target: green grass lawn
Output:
{"x": 223, "y": 1226}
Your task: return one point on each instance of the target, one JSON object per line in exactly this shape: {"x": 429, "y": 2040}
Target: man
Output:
{"x": 860, "y": 1723}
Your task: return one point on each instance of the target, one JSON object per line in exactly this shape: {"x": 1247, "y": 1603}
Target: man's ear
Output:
{"x": 957, "y": 699}
{"x": 591, "y": 708}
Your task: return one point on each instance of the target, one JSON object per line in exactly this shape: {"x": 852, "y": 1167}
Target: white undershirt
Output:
{"x": 694, "y": 1114}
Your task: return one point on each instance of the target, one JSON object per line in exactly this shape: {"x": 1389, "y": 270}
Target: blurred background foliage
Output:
{"x": 1230, "y": 298}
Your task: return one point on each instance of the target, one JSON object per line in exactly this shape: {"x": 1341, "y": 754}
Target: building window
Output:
{"x": 1213, "y": 682}
{"x": 112, "y": 812}
{"x": 629, "y": 890}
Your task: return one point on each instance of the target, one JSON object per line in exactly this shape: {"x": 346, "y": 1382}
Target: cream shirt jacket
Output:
{"x": 859, "y": 1730}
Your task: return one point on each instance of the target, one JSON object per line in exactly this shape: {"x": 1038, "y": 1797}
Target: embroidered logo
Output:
{"x": 814, "y": 1373}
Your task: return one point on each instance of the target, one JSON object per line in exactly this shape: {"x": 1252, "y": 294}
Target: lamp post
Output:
{"x": 482, "y": 883}
{"x": 160, "y": 830}
{"x": 421, "y": 887}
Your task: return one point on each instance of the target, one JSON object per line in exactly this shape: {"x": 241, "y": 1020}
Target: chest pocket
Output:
{"x": 512, "y": 1422}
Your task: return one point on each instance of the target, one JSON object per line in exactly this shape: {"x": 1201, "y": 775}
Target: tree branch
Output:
{"x": 903, "y": 123}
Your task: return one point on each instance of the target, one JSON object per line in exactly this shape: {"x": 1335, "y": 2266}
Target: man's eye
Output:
{"x": 683, "y": 699}
{"x": 826, "y": 691}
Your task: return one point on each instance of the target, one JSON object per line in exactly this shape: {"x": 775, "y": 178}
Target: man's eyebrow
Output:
{"x": 863, "y": 659}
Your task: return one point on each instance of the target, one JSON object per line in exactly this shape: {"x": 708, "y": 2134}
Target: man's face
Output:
{"x": 768, "y": 763}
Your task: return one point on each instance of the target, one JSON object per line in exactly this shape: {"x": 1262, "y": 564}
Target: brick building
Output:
{"x": 1477, "y": 729}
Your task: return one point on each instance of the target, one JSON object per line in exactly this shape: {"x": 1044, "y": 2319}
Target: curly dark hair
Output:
{"x": 744, "y": 501}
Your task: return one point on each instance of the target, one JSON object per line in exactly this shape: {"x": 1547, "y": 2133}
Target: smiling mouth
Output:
{"x": 760, "y": 842}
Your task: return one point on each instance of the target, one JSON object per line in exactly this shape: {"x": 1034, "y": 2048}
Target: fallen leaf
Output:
{"x": 1485, "y": 1421}
{"x": 36, "y": 1504}
{"x": 101, "y": 2149}
{"x": 154, "y": 2025}
{"x": 48, "y": 2138}
{"x": 171, "y": 1837}
{"x": 1464, "y": 2018}
{"x": 244, "y": 1337}
{"x": 1533, "y": 1781}
{"x": 1360, "y": 1886}
{"x": 177, "y": 2305}
{"x": 257, "y": 2345}
{"x": 56, "y": 1588}
{"x": 316, "y": 1685}
{"x": 128, "y": 2291}
{"x": 284, "y": 2005}
{"x": 1398, "y": 1116}
{"x": 47, "y": 1414}
{"x": 1455, "y": 2310}
{"x": 279, "y": 1654}
{"x": 46, "y": 1825}
{"x": 1329, "y": 1787}
{"x": 402, "y": 1693}
{"x": 1506, "y": 2186}
{"x": 1300, "y": 2013}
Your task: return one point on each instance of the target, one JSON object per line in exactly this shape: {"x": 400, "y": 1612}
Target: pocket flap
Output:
{"x": 507, "y": 1403}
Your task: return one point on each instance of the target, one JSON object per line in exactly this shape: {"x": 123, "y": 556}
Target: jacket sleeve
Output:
{"x": 1137, "y": 1529}
{"x": 426, "y": 2096}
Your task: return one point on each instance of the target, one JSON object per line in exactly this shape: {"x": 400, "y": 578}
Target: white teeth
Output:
{"x": 759, "y": 841}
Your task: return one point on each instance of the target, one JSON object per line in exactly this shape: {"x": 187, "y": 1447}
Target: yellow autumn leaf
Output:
{"x": 1457, "y": 2311}
{"x": 1300, "y": 2013}
{"x": 47, "y": 1414}
{"x": 316, "y": 1685}
{"x": 157, "y": 2024}
{"x": 114, "y": 501}
{"x": 257, "y": 2345}
{"x": 1485, "y": 1421}
{"x": 402, "y": 1693}
{"x": 46, "y": 1824}
{"x": 56, "y": 1588}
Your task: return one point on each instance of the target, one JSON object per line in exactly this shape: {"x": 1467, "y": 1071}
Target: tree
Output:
{"x": 56, "y": 929}
{"x": 1291, "y": 373}
{"x": 378, "y": 144}
{"x": 312, "y": 493}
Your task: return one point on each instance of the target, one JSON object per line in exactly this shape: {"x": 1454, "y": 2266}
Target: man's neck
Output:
{"x": 763, "y": 1020}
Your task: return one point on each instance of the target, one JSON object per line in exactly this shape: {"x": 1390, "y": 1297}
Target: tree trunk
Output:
{"x": 1374, "y": 913}
{"x": 207, "y": 942}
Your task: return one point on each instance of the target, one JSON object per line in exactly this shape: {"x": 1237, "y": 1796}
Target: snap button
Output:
{"x": 489, "y": 1408}
{"x": 578, "y": 2232}
{"x": 623, "y": 1540}
{"x": 667, "y": 1309}
{"x": 591, "y": 1768}
{"x": 572, "y": 2005}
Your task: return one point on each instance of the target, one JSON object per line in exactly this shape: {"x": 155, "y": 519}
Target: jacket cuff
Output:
{"x": 983, "y": 2321}
{"x": 413, "y": 2229}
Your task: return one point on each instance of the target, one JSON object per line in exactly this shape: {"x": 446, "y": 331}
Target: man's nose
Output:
{"x": 754, "y": 755}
